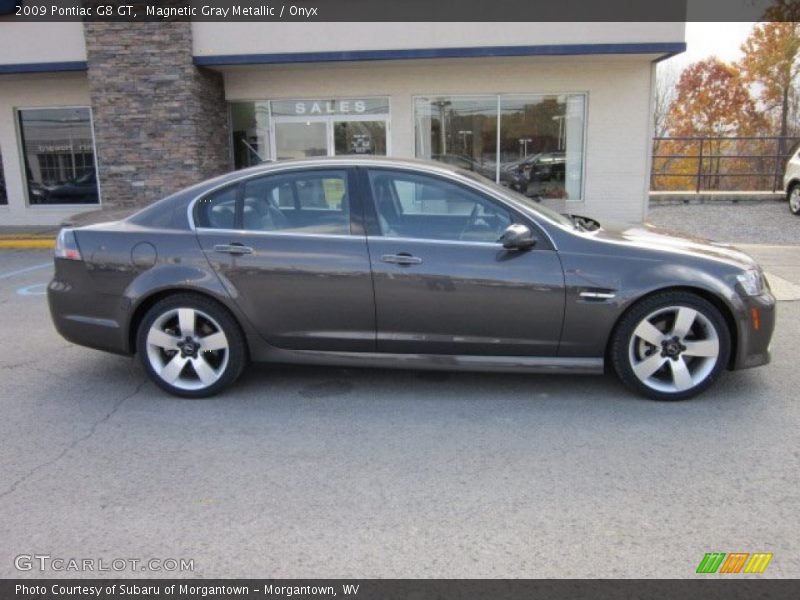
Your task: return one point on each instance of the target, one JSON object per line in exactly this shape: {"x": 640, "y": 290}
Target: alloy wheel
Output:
{"x": 674, "y": 349}
{"x": 187, "y": 348}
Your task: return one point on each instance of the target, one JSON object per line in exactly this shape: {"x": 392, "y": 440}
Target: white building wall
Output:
{"x": 23, "y": 42}
{"x": 618, "y": 112}
{"x": 30, "y": 91}
{"x": 266, "y": 38}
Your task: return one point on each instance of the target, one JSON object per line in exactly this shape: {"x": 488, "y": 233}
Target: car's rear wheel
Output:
{"x": 671, "y": 346}
{"x": 190, "y": 346}
{"x": 794, "y": 199}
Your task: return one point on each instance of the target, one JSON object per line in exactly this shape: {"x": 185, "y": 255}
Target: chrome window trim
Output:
{"x": 284, "y": 233}
{"x": 279, "y": 233}
{"x": 383, "y": 162}
{"x": 433, "y": 241}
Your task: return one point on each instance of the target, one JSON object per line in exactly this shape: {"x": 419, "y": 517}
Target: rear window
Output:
{"x": 217, "y": 210}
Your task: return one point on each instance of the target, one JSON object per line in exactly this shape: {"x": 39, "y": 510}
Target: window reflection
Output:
{"x": 459, "y": 131}
{"x": 541, "y": 139}
{"x": 58, "y": 150}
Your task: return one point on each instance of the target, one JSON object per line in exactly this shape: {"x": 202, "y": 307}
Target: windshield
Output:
{"x": 530, "y": 203}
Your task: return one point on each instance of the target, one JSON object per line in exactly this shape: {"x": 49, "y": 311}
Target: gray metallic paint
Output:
{"x": 310, "y": 299}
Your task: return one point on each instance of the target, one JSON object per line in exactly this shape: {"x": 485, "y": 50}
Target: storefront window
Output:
{"x": 460, "y": 131}
{"x": 3, "y": 192}
{"x": 285, "y": 129}
{"x": 540, "y": 141}
{"x": 58, "y": 150}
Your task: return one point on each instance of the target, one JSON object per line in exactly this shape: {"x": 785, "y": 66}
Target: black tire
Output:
{"x": 794, "y": 205}
{"x": 625, "y": 347}
{"x": 209, "y": 318}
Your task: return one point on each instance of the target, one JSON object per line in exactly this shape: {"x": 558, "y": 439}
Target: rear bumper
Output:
{"x": 755, "y": 331}
{"x": 87, "y": 319}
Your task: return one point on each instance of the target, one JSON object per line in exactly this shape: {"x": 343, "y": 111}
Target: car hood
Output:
{"x": 657, "y": 239}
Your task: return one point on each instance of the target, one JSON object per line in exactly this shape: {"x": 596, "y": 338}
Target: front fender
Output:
{"x": 589, "y": 322}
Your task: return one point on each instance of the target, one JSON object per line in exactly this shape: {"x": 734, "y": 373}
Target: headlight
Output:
{"x": 752, "y": 282}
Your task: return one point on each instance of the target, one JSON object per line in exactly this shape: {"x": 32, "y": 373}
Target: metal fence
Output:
{"x": 699, "y": 164}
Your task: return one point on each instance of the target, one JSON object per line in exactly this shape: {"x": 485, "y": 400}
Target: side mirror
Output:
{"x": 517, "y": 237}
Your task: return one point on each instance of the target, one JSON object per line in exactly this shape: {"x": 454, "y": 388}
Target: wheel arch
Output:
{"x": 717, "y": 301}
{"x": 146, "y": 302}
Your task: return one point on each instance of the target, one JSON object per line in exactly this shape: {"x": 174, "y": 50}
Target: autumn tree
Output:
{"x": 771, "y": 63}
{"x": 711, "y": 100}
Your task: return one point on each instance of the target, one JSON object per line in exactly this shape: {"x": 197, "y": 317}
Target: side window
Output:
{"x": 217, "y": 210}
{"x": 427, "y": 207}
{"x": 312, "y": 201}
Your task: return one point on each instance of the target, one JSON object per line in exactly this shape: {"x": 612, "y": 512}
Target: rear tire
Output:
{"x": 671, "y": 346}
{"x": 190, "y": 346}
{"x": 793, "y": 196}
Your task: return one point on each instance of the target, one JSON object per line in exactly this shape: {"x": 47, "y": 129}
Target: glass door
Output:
{"x": 300, "y": 138}
{"x": 360, "y": 137}
{"x": 325, "y": 136}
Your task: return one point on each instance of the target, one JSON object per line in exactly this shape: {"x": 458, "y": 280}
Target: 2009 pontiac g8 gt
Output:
{"x": 383, "y": 262}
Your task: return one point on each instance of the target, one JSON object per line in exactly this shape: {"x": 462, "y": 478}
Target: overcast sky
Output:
{"x": 707, "y": 39}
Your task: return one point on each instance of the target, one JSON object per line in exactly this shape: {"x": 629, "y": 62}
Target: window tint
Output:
{"x": 421, "y": 206}
{"x": 217, "y": 210}
{"x": 307, "y": 202}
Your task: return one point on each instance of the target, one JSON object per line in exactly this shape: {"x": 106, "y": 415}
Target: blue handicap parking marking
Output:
{"x": 37, "y": 289}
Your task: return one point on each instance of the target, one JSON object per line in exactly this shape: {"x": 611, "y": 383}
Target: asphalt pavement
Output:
{"x": 315, "y": 472}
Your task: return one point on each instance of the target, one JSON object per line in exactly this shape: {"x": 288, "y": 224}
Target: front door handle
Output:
{"x": 403, "y": 258}
{"x": 234, "y": 248}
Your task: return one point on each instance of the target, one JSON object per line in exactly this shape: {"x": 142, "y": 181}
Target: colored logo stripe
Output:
{"x": 711, "y": 562}
{"x": 734, "y": 562}
{"x": 758, "y": 563}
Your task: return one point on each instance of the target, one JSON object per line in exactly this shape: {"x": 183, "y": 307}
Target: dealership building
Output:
{"x": 117, "y": 115}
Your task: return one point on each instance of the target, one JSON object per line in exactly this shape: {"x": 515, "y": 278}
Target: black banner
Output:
{"x": 395, "y": 589}
{"x": 402, "y": 10}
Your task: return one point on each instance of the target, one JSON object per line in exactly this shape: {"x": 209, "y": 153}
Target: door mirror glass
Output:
{"x": 517, "y": 237}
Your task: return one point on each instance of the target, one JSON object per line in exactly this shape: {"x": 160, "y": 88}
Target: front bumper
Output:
{"x": 755, "y": 331}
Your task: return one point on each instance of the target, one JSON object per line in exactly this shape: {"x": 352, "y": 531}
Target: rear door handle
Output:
{"x": 402, "y": 258}
{"x": 233, "y": 248}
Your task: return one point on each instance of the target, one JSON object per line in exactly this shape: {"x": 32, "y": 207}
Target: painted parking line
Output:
{"x": 25, "y": 270}
{"x": 37, "y": 289}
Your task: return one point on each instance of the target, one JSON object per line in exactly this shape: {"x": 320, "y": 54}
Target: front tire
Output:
{"x": 671, "y": 346}
{"x": 793, "y": 195}
{"x": 190, "y": 346}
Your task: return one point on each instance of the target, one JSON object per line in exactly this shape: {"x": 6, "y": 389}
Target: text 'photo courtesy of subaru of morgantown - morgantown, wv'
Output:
{"x": 402, "y": 263}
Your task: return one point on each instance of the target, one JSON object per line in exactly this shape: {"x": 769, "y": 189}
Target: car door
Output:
{"x": 291, "y": 249}
{"x": 443, "y": 284}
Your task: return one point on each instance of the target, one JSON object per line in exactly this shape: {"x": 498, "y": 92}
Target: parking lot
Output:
{"x": 372, "y": 473}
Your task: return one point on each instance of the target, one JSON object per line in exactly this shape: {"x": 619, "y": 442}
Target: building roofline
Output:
{"x": 47, "y": 67}
{"x": 664, "y": 49}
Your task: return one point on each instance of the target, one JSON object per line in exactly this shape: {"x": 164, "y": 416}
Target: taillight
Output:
{"x": 67, "y": 245}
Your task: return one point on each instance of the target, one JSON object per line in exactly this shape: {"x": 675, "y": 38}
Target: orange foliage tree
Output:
{"x": 711, "y": 100}
{"x": 771, "y": 61}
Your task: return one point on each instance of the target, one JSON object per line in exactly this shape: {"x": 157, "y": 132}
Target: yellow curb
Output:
{"x": 27, "y": 243}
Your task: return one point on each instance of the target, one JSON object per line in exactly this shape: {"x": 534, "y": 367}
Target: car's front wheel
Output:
{"x": 671, "y": 346}
{"x": 190, "y": 346}
{"x": 794, "y": 199}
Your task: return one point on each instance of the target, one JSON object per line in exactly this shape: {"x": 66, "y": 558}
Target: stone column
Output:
{"x": 160, "y": 122}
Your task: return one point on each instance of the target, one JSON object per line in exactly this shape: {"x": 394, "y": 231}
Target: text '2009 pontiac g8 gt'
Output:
{"x": 385, "y": 262}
